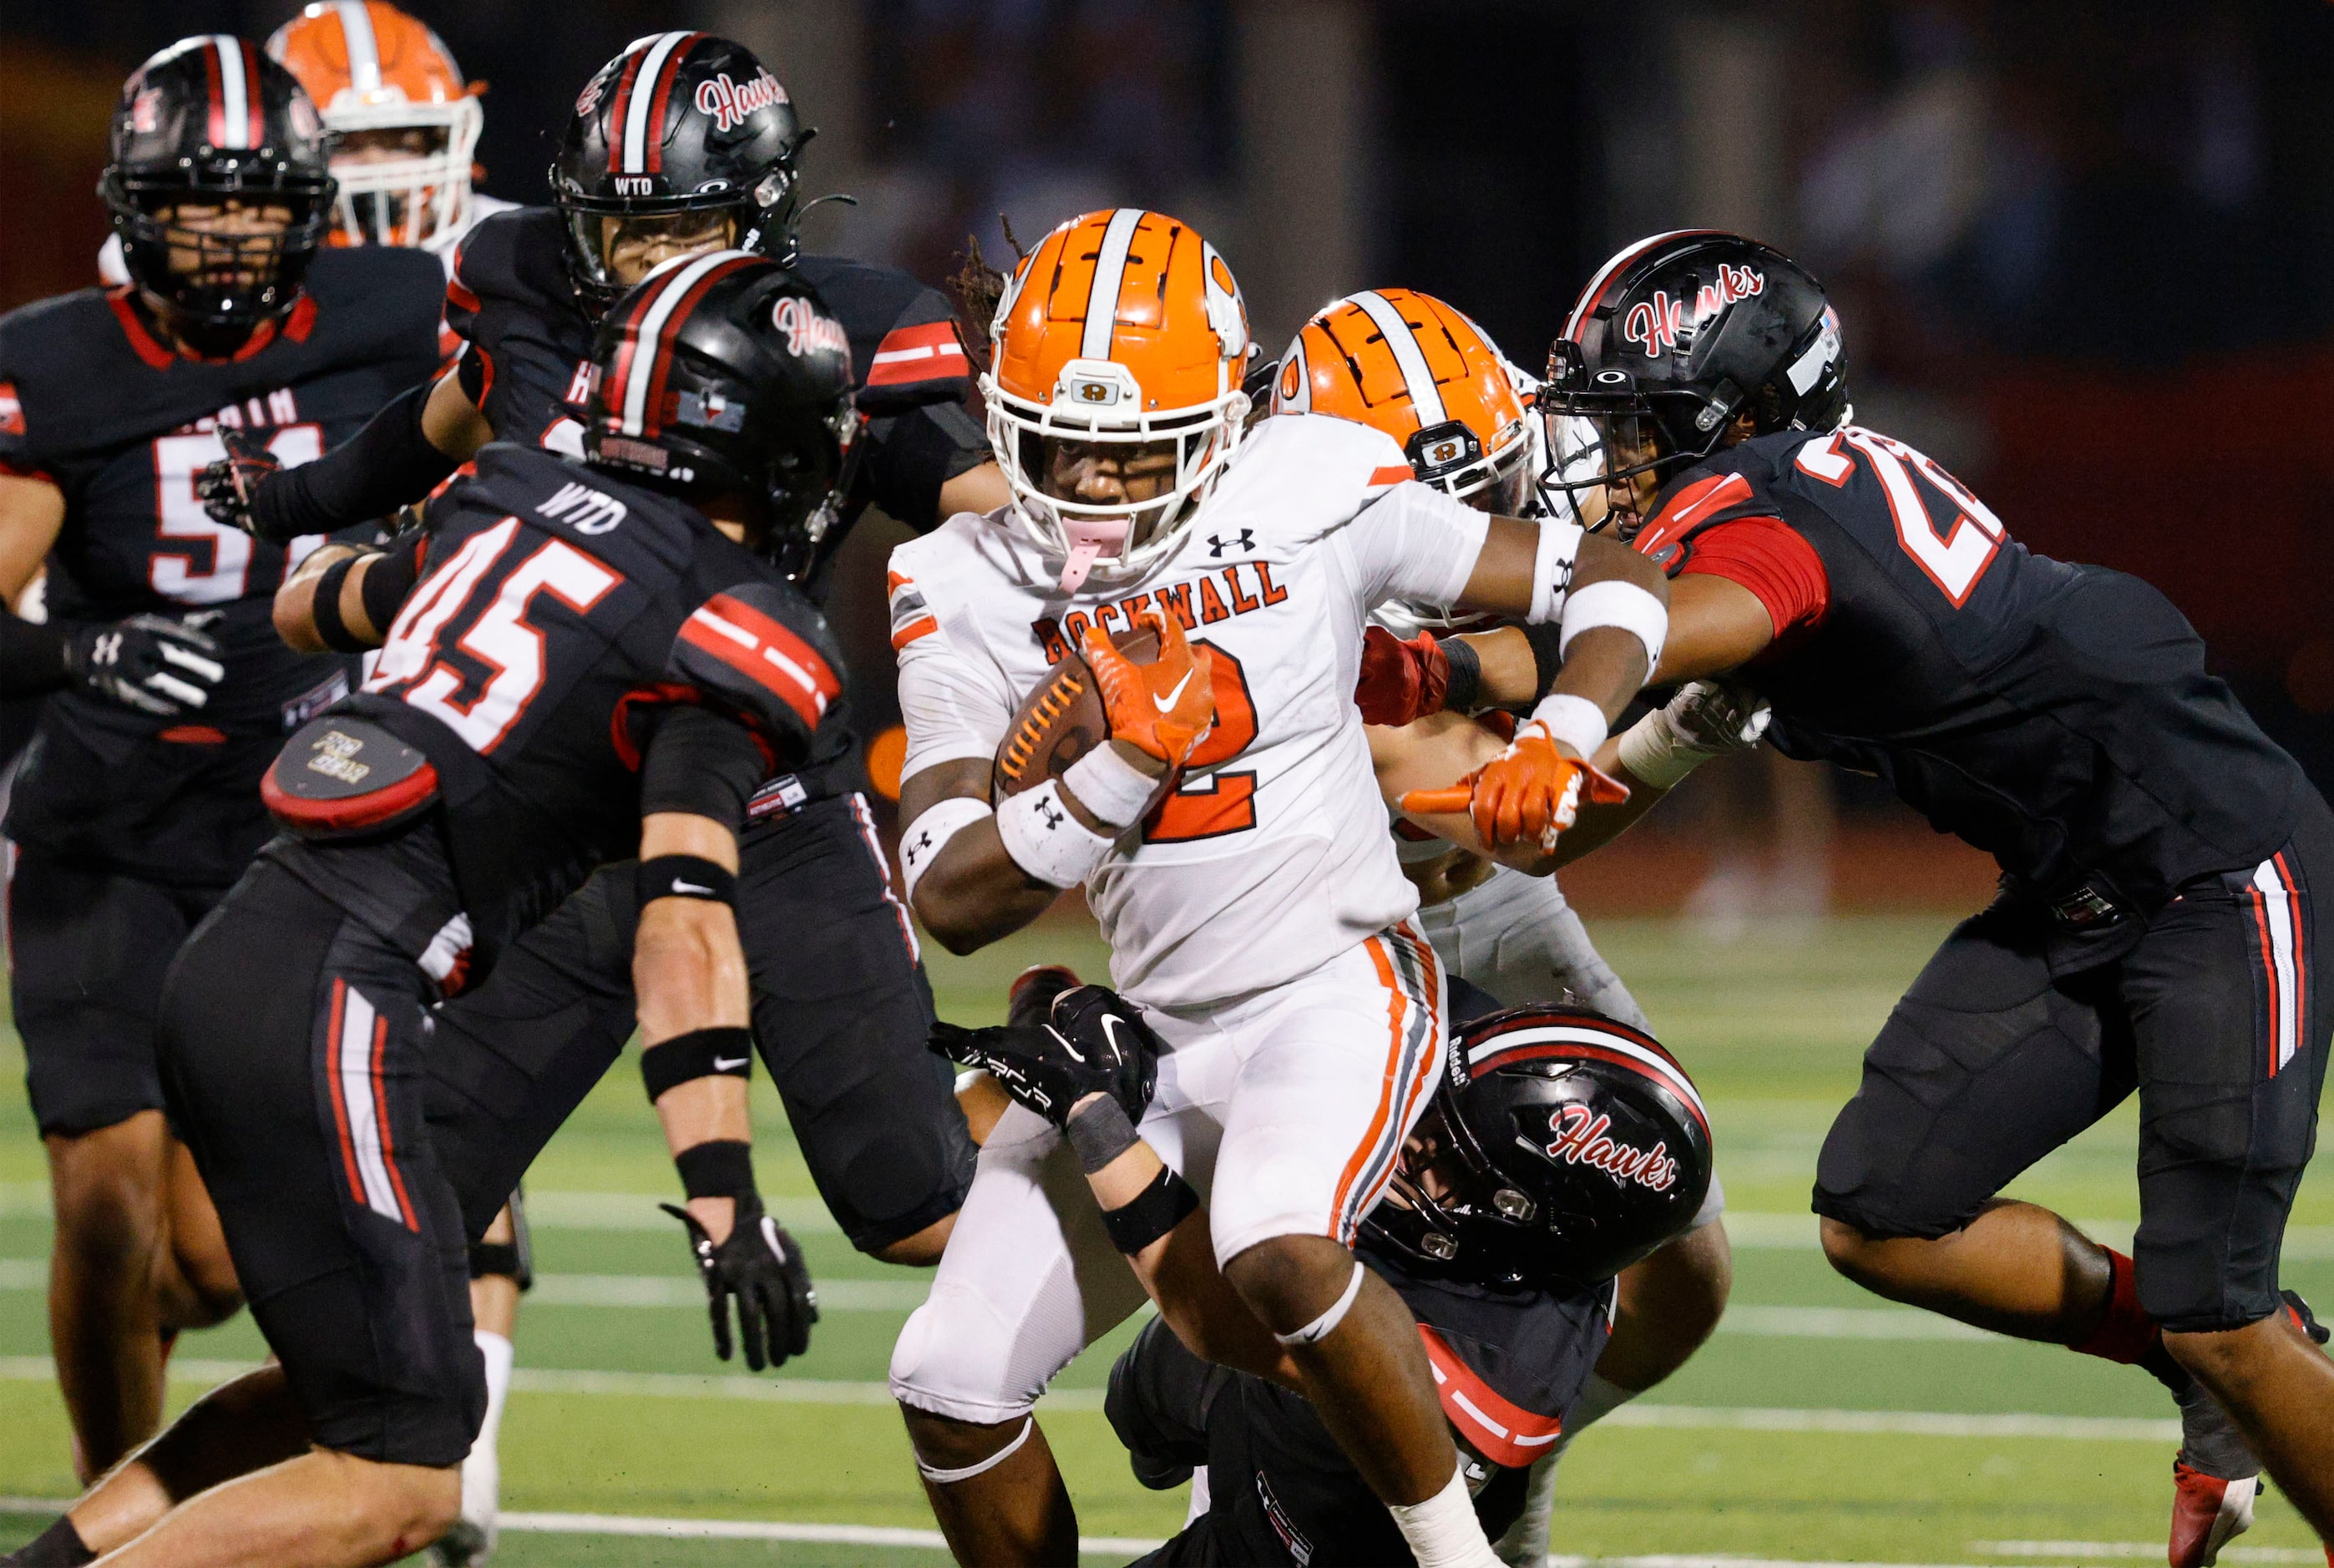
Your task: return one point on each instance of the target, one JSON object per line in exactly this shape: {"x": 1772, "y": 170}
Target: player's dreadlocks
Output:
{"x": 979, "y": 286}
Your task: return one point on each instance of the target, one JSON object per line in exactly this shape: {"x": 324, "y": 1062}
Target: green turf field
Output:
{"x": 1821, "y": 1425}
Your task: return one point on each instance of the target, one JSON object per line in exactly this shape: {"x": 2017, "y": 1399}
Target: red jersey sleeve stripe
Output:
{"x": 1774, "y": 562}
{"x": 1500, "y": 1430}
{"x": 782, "y": 639}
{"x": 929, "y": 351}
{"x": 1703, "y": 498}
{"x": 909, "y": 633}
{"x": 744, "y": 658}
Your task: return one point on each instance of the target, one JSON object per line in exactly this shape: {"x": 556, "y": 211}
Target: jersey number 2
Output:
{"x": 497, "y": 637}
{"x": 1953, "y": 559}
{"x": 1222, "y": 803}
{"x": 179, "y": 516}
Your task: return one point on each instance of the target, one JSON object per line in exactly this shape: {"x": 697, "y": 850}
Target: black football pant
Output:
{"x": 2219, "y": 1017}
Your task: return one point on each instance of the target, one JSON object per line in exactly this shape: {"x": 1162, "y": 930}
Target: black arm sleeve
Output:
{"x": 32, "y": 656}
{"x": 702, "y": 761}
{"x": 389, "y": 578}
{"x": 386, "y": 464}
{"x": 911, "y": 455}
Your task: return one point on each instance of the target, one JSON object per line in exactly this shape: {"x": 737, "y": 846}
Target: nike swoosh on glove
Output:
{"x": 1094, "y": 1043}
{"x": 1163, "y": 709}
{"x": 149, "y": 662}
{"x": 759, "y": 1267}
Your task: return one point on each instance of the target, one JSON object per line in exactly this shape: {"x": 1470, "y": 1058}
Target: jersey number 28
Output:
{"x": 1953, "y": 559}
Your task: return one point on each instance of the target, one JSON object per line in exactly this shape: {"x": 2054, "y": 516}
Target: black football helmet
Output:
{"x": 208, "y": 120}
{"x": 1673, "y": 339}
{"x": 723, "y": 374}
{"x": 1561, "y": 1148}
{"x": 680, "y": 123}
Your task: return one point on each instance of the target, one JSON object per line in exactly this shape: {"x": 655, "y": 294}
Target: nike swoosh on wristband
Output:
{"x": 680, "y": 887}
{"x": 1167, "y": 703}
{"x": 723, "y": 1063}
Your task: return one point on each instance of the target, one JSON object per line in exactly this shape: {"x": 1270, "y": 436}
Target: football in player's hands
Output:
{"x": 1094, "y": 1043}
{"x": 759, "y": 1267}
{"x": 1066, "y": 717}
{"x": 226, "y": 486}
{"x": 149, "y": 662}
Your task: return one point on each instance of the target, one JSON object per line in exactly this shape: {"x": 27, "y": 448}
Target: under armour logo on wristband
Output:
{"x": 1055, "y": 816}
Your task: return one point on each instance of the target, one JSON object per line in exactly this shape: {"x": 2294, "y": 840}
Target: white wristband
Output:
{"x": 1111, "y": 789}
{"x": 1046, "y": 841}
{"x": 1614, "y": 603}
{"x": 1559, "y": 543}
{"x": 1649, "y": 749}
{"x": 921, "y": 840}
{"x": 1576, "y": 721}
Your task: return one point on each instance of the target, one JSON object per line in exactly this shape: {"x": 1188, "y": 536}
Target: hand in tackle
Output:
{"x": 1531, "y": 793}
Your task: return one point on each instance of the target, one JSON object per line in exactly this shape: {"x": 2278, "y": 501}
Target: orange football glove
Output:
{"x": 1163, "y": 709}
{"x": 1532, "y": 792}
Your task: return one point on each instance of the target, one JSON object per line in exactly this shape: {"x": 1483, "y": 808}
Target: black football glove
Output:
{"x": 762, "y": 1267}
{"x": 1096, "y": 1042}
{"x": 148, "y": 662}
{"x": 225, "y": 487}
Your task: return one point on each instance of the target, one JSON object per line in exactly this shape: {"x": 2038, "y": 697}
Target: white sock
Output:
{"x": 1443, "y": 1531}
{"x": 482, "y": 1470}
{"x": 1525, "y": 1544}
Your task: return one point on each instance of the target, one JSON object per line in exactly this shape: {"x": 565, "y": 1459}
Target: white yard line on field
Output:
{"x": 1702, "y": 1417}
{"x": 2092, "y": 1550}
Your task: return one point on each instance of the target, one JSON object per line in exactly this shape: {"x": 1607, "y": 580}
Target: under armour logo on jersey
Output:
{"x": 107, "y": 649}
{"x": 1217, "y": 544}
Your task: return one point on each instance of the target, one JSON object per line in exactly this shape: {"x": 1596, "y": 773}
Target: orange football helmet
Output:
{"x": 1409, "y": 365}
{"x": 1124, "y": 327}
{"x": 374, "y": 69}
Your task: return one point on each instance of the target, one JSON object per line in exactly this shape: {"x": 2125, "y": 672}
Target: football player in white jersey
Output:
{"x": 1421, "y": 371}
{"x": 1255, "y": 909}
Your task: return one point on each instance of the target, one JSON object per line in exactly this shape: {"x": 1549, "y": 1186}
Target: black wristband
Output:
{"x": 1466, "y": 687}
{"x": 684, "y": 877}
{"x": 1548, "y": 654}
{"x": 324, "y": 605}
{"x": 1155, "y": 1211}
{"x": 1100, "y": 1133}
{"x": 34, "y": 656}
{"x": 699, "y": 1053}
{"x": 718, "y": 1167}
{"x": 388, "y": 580}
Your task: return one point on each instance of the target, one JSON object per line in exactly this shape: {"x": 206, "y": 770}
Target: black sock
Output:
{"x": 58, "y": 1546}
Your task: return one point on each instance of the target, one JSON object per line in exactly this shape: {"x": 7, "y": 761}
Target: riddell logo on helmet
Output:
{"x": 1579, "y": 1140}
{"x": 731, "y": 105}
{"x": 1656, "y": 323}
{"x": 807, "y": 330}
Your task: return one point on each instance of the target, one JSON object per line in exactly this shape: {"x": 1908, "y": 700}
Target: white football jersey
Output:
{"x": 1273, "y": 857}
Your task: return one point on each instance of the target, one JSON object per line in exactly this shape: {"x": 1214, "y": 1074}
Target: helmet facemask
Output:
{"x": 1097, "y": 405}
{"x": 218, "y": 280}
{"x": 420, "y": 194}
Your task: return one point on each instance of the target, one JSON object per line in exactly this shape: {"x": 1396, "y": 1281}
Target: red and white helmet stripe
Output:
{"x": 1607, "y": 1041}
{"x": 634, "y": 391}
{"x": 237, "y": 119}
{"x": 636, "y": 114}
{"x": 1594, "y": 295}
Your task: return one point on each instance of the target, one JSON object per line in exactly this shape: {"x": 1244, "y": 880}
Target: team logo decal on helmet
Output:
{"x": 409, "y": 123}
{"x": 723, "y": 375}
{"x": 208, "y": 121}
{"x": 1123, "y": 329}
{"x": 1658, "y": 322}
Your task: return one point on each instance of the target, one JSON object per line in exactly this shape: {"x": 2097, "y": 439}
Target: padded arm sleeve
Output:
{"x": 702, "y": 761}
{"x": 386, "y": 464}
{"x": 1416, "y": 543}
{"x": 760, "y": 650}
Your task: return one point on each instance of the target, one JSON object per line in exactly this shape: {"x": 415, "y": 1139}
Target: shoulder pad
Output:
{"x": 759, "y": 648}
{"x": 512, "y": 256}
{"x": 1705, "y": 496}
{"x": 907, "y": 346}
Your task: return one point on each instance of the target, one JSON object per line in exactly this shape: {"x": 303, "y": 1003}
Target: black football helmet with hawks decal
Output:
{"x": 684, "y": 129}
{"x": 1562, "y": 1148}
{"x": 208, "y": 120}
{"x": 723, "y": 375}
{"x": 1674, "y": 338}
